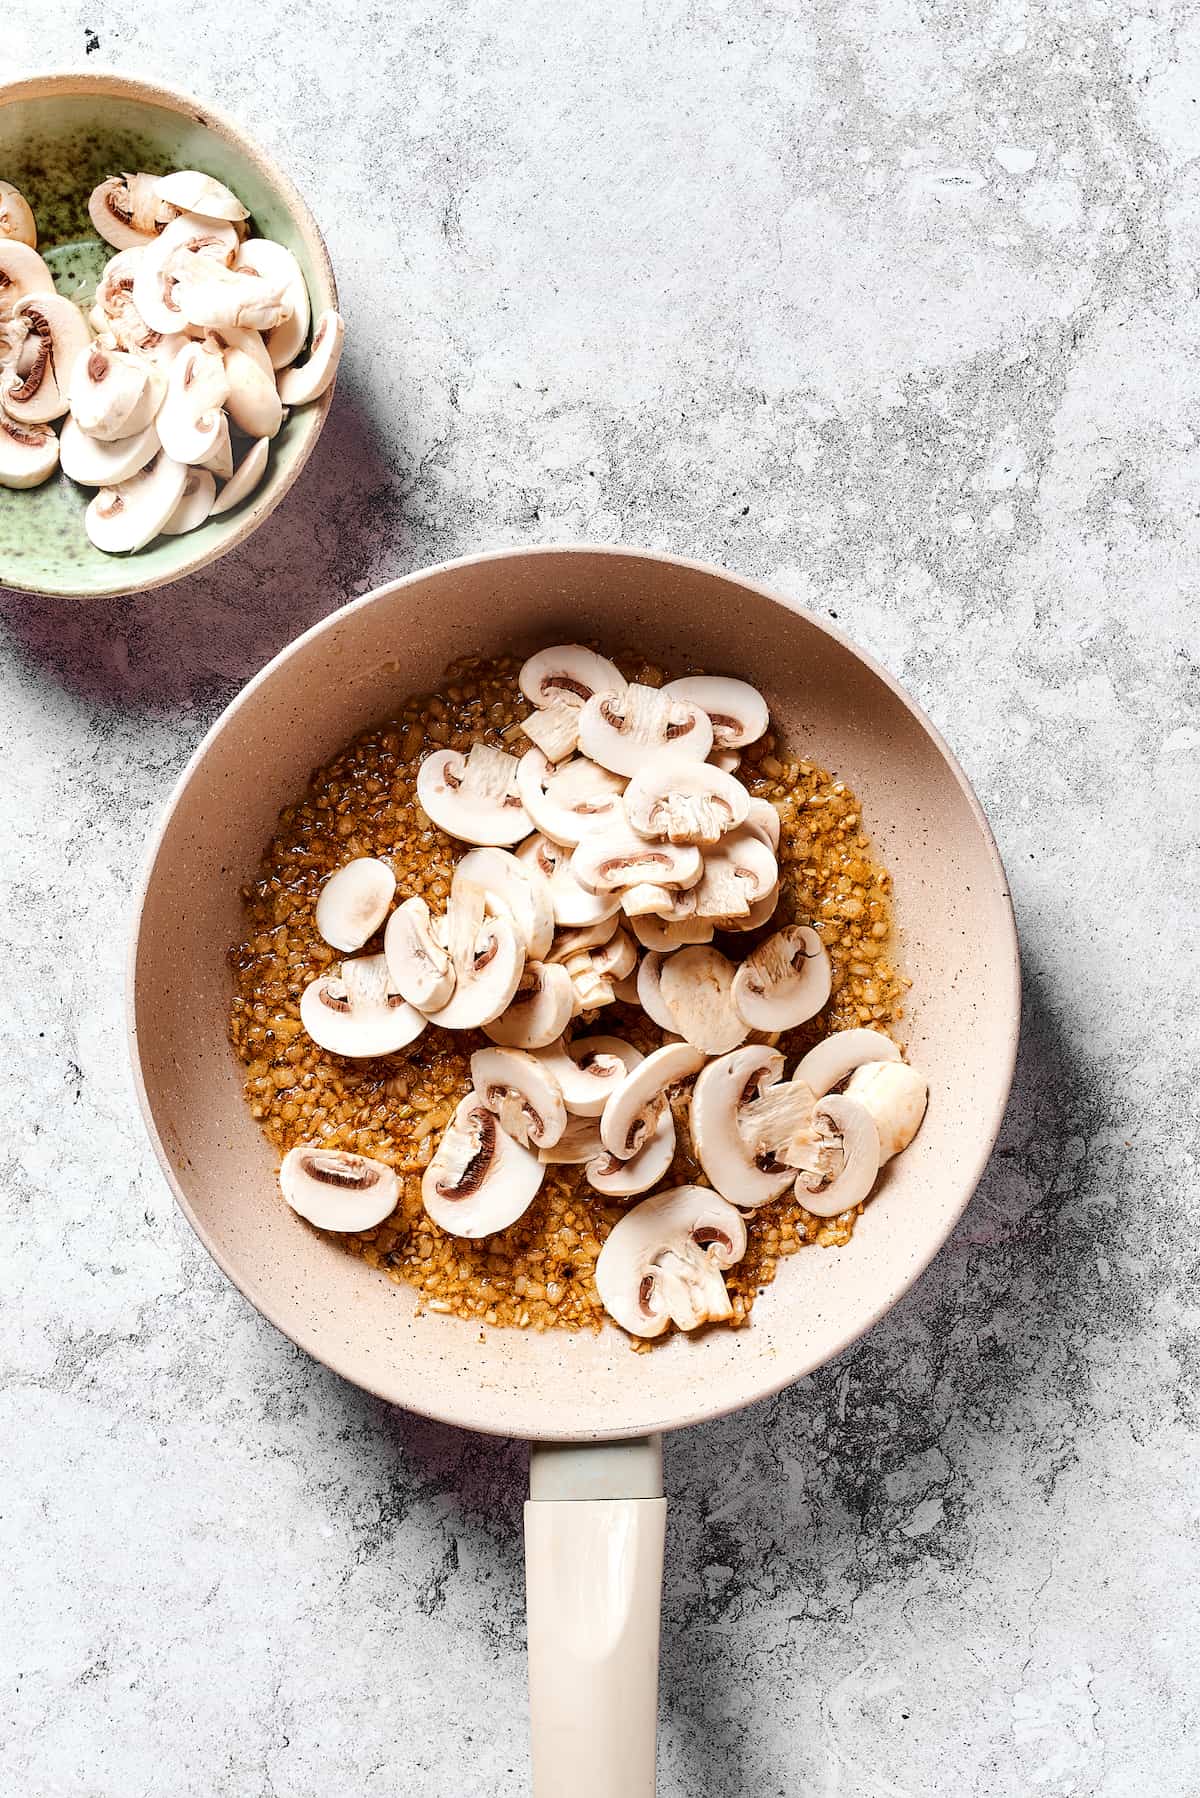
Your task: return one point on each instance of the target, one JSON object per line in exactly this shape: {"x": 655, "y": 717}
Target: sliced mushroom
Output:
{"x": 473, "y": 797}
{"x": 649, "y": 992}
{"x": 777, "y": 1125}
{"x": 253, "y": 402}
{"x": 738, "y": 872}
{"x": 785, "y": 981}
{"x": 95, "y": 464}
{"x": 578, "y": 1144}
{"x": 22, "y": 273}
{"x": 307, "y": 381}
{"x": 187, "y": 190}
{"x": 590, "y": 936}
{"x": 665, "y": 934}
{"x": 645, "y": 900}
{"x": 743, "y": 1169}
{"x": 113, "y": 394}
{"x": 211, "y": 295}
{"x": 480, "y": 1179}
{"x": 662, "y": 1262}
{"x": 17, "y": 224}
{"x": 633, "y": 1108}
{"x": 760, "y": 913}
{"x": 488, "y": 959}
{"x": 737, "y": 710}
{"x": 28, "y": 453}
{"x": 568, "y": 674}
{"x": 418, "y": 961}
{"x": 246, "y": 476}
{"x": 250, "y": 343}
{"x": 128, "y": 211}
{"x": 357, "y": 1013}
{"x": 274, "y": 261}
{"x": 614, "y": 857}
{"x": 189, "y": 419}
{"x": 838, "y": 1055}
{"x": 523, "y": 1094}
{"x": 841, "y": 1164}
{"x": 540, "y": 1010}
{"x": 188, "y": 248}
{"x": 353, "y": 903}
{"x": 727, "y": 760}
{"x": 696, "y": 986}
{"x": 114, "y": 290}
{"x": 686, "y": 802}
{"x": 126, "y": 516}
{"x": 219, "y": 462}
{"x": 517, "y": 889}
{"x": 574, "y": 906}
{"x": 589, "y": 1070}
{"x": 619, "y": 1179}
{"x": 336, "y": 1190}
{"x": 619, "y": 730}
{"x": 763, "y": 818}
{"x": 595, "y": 972}
{"x": 555, "y": 731}
{"x": 896, "y": 1096}
{"x": 36, "y": 393}
{"x": 567, "y": 802}
{"x": 199, "y": 492}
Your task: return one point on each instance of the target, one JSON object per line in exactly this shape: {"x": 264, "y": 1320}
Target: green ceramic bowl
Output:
{"x": 59, "y": 136}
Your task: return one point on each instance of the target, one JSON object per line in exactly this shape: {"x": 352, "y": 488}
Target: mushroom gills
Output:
{"x": 523, "y": 1093}
{"x": 568, "y": 675}
{"x": 480, "y": 1179}
{"x": 838, "y": 1168}
{"x": 356, "y": 1013}
{"x": 662, "y": 1263}
{"x": 619, "y": 730}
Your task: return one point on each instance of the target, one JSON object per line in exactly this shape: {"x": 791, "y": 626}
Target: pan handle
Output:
{"x": 594, "y": 1528}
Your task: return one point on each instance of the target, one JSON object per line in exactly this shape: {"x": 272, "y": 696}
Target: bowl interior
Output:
{"x": 957, "y": 943}
{"x": 56, "y": 145}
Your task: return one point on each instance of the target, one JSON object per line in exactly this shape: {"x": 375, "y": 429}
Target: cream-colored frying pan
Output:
{"x": 596, "y": 1513}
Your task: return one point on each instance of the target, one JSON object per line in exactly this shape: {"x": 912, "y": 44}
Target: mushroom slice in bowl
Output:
{"x": 356, "y": 1013}
{"x": 35, "y": 390}
{"x": 540, "y": 1010}
{"x": 473, "y": 797}
{"x": 737, "y": 873}
{"x": 95, "y": 464}
{"x": 568, "y": 801}
{"x": 128, "y": 211}
{"x": 619, "y": 730}
{"x": 763, "y": 818}
{"x": 588, "y": 1070}
{"x": 662, "y": 1262}
{"x": 664, "y": 934}
{"x": 579, "y": 1144}
{"x": 195, "y": 505}
{"x": 262, "y": 256}
{"x": 568, "y": 674}
{"x": 114, "y": 394}
{"x": 28, "y": 453}
{"x": 618, "y": 1179}
{"x": 480, "y": 1179}
{"x": 761, "y": 912}
{"x": 686, "y": 802}
{"x": 649, "y": 991}
{"x": 126, "y": 516}
{"x": 189, "y": 419}
{"x": 17, "y": 223}
{"x": 22, "y": 273}
{"x": 594, "y": 972}
{"x": 307, "y": 381}
{"x": 838, "y": 1168}
{"x": 608, "y": 860}
{"x": 523, "y": 1093}
{"x": 736, "y": 710}
{"x": 213, "y": 296}
{"x": 589, "y": 936}
{"x": 417, "y": 959}
{"x": 518, "y": 890}
{"x": 188, "y": 190}
{"x": 574, "y": 906}
{"x": 785, "y": 981}
{"x": 253, "y": 402}
{"x": 896, "y": 1096}
{"x": 488, "y": 960}
{"x": 353, "y": 903}
{"x": 696, "y": 987}
{"x": 336, "y": 1190}
{"x": 741, "y": 1168}
{"x": 632, "y": 1110}
{"x": 554, "y": 730}
{"x": 245, "y": 478}
{"x": 837, "y": 1056}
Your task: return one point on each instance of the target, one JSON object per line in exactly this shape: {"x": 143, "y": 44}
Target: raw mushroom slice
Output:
{"x": 838, "y": 1055}
{"x": 353, "y": 903}
{"x": 246, "y": 476}
{"x": 356, "y": 1013}
{"x": 219, "y": 461}
{"x": 36, "y": 394}
{"x": 114, "y": 289}
{"x": 568, "y": 674}
{"x": 607, "y": 860}
{"x": 126, "y": 516}
{"x": 17, "y": 224}
{"x": 523, "y": 1094}
{"x": 518, "y": 890}
{"x": 540, "y": 1010}
{"x": 760, "y": 913}
{"x": 588, "y": 1070}
{"x": 187, "y": 190}
{"x": 777, "y": 1125}
{"x": 112, "y": 394}
{"x": 480, "y": 1179}
{"x": 568, "y": 801}
{"x": 738, "y": 872}
{"x": 555, "y": 731}
{"x": 896, "y": 1096}
{"x": 473, "y": 797}
{"x": 128, "y": 211}
{"x": 250, "y": 343}
{"x": 646, "y": 900}
{"x": 619, "y": 730}
{"x": 618, "y": 1179}
{"x": 488, "y": 962}
{"x": 574, "y": 906}
{"x": 336, "y": 1190}
{"x": 662, "y": 1262}
{"x": 594, "y": 972}
{"x": 665, "y": 934}
{"x": 742, "y": 1169}
{"x": 590, "y": 936}
{"x": 262, "y": 256}
{"x": 22, "y": 273}
{"x": 686, "y": 802}
{"x": 785, "y": 981}
{"x": 307, "y": 381}
{"x": 738, "y": 711}
{"x": 649, "y": 992}
{"x": 210, "y": 294}
{"x": 633, "y": 1108}
{"x": 189, "y": 419}
{"x": 763, "y": 818}
{"x": 578, "y": 1144}
{"x": 28, "y": 453}
{"x": 418, "y": 961}
{"x": 253, "y": 402}
{"x": 187, "y": 247}
{"x": 842, "y": 1162}
{"x": 199, "y": 492}
{"x": 727, "y": 760}
{"x": 696, "y": 987}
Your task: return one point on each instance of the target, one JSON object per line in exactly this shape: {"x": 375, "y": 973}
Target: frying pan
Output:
{"x": 593, "y": 1410}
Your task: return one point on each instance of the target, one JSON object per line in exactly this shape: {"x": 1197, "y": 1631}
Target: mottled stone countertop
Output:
{"x": 893, "y": 306}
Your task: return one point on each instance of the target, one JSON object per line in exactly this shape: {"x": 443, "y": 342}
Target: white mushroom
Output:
{"x": 274, "y": 261}
{"x": 777, "y": 1124}
{"x": 113, "y": 394}
{"x": 190, "y": 191}
{"x": 253, "y": 402}
{"x": 555, "y": 730}
{"x": 649, "y": 992}
{"x": 418, "y": 961}
{"x": 567, "y": 802}
{"x": 473, "y": 797}
{"x": 219, "y": 462}
{"x": 188, "y": 247}
{"x": 250, "y": 343}
{"x": 568, "y": 674}
{"x": 336, "y": 1190}
{"x": 646, "y": 900}
{"x": 488, "y": 959}
{"x": 896, "y": 1095}
{"x": 35, "y": 391}
{"x": 594, "y": 972}
{"x": 665, "y": 934}
{"x": 841, "y": 1164}
{"x": 739, "y": 1165}
{"x": 686, "y": 802}
{"x": 353, "y": 903}
{"x": 95, "y": 464}
{"x": 619, "y": 730}
{"x": 589, "y": 1070}
{"x": 578, "y": 1144}
{"x": 737, "y": 710}
{"x": 22, "y": 272}
{"x": 614, "y": 857}
{"x": 633, "y": 1108}
{"x": 114, "y": 290}
{"x": 28, "y": 453}
{"x": 357, "y": 1013}
{"x": 523, "y": 1094}
{"x": 574, "y": 906}
{"x": 540, "y": 1010}
{"x": 590, "y": 936}
{"x": 126, "y": 516}
{"x": 764, "y": 819}
{"x": 17, "y": 224}
{"x": 738, "y": 871}
{"x": 189, "y": 419}
{"x": 838, "y": 1055}
{"x": 307, "y": 381}
{"x": 245, "y": 478}
{"x": 760, "y": 913}
{"x": 727, "y": 760}
{"x": 785, "y": 981}
{"x": 214, "y": 296}
{"x": 199, "y": 492}
{"x": 619, "y": 1179}
{"x": 480, "y": 1179}
{"x": 661, "y": 1263}
{"x": 518, "y": 890}
{"x": 696, "y": 985}
{"x": 128, "y": 211}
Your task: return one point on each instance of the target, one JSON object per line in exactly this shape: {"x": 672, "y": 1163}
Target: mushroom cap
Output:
{"x": 632, "y": 1108}
{"x": 836, "y": 1056}
{"x": 353, "y": 903}
{"x": 784, "y": 981}
{"x": 665, "y": 934}
{"x": 619, "y": 730}
{"x": 263, "y": 256}
{"x": 844, "y": 1161}
{"x": 28, "y": 453}
{"x": 619, "y": 1179}
{"x": 191, "y": 191}
{"x": 189, "y": 419}
{"x": 307, "y": 381}
{"x": 649, "y": 991}
{"x": 523, "y": 1093}
{"x": 568, "y": 800}
{"x": 473, "y": 797}
{"x": 245, "y": 478}
{"x": 518, "y": 890}
{"x": 574, "y": 906}
{"x": 488, "y": 960}
{"x": 696, "y": 989}
{"x": 539, "y": 1011}
{"x": 686, "y": 802}
{"x": 738, "y": 871}
{"x": 22, "y": 272}
{"x": 568, "y": 674}
{"x": 661, "y": 1263}
{"x": 730, "y": 1162}
{"x": 113, "y": 394}
{"x": 588, "y": 1070}
{"x": 418, "y": 963}
{"x": 95, "y": 464}
{"x": 253, "y": 403}
{"x": 336, "y": 1190}
{"x": 127, "y": 211}
{"x": 199, "y": 492}
{"x": 737, "y": 711}
{"x": 896, "y": 1096}
{"x": 35, "y": 391}
{"x": 126, "y": 516}
{"x": 17, "y": 224}
{"x": 609, "y": 859}
{"x": 480, "y": 1179}
{"x": 355, "y": 1013}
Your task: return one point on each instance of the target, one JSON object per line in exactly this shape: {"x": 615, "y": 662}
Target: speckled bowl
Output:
{"x": 59, "y": 136}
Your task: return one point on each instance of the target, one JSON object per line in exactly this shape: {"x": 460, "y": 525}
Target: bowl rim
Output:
{"x": 69, "y": 82}
{"x": 758, "y": 1388}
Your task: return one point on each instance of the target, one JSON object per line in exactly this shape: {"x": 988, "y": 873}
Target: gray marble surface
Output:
{"x": 893, "y": 306}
